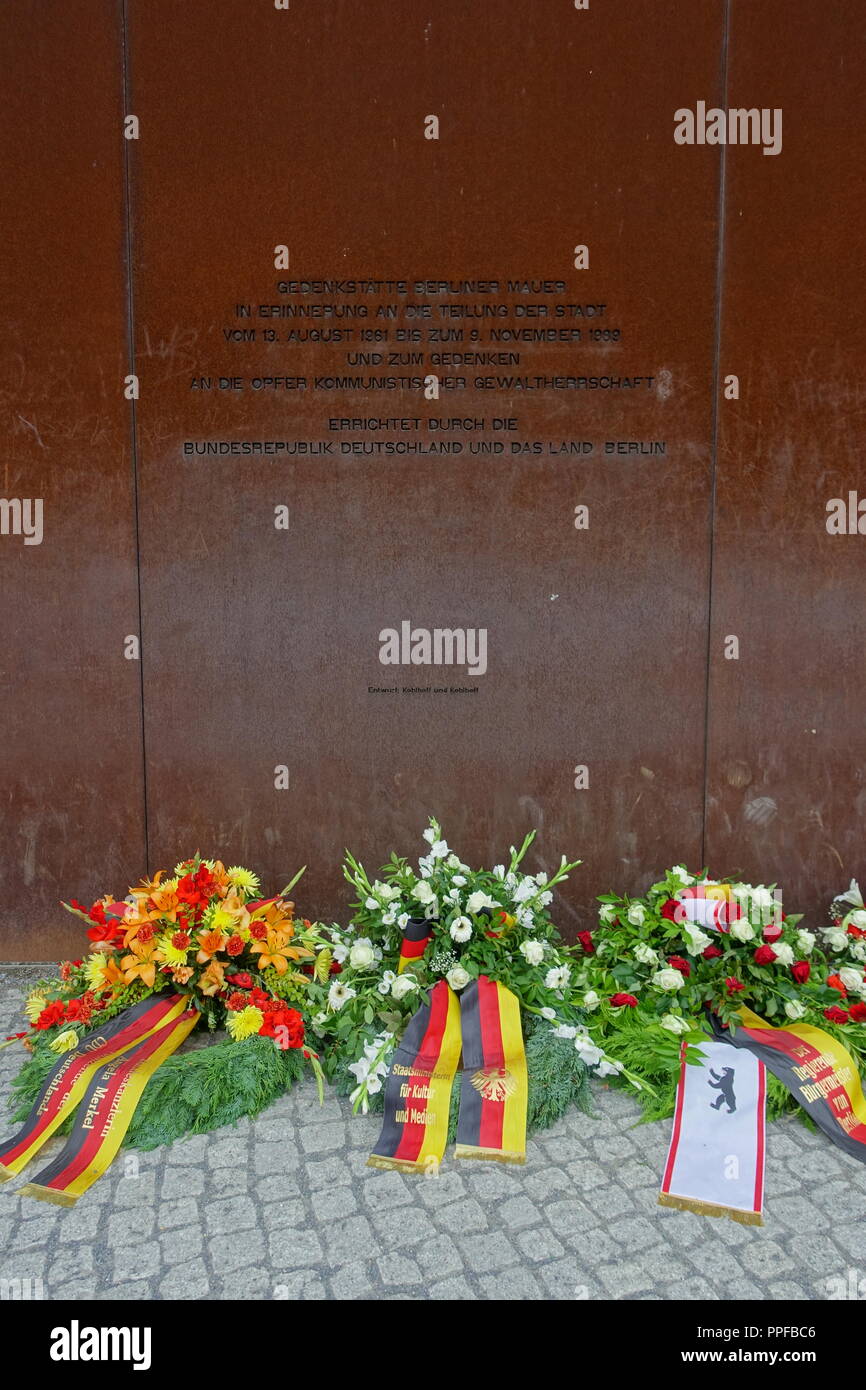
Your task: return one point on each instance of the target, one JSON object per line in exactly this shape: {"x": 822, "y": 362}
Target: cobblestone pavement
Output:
{"x": 284, "y": 1207}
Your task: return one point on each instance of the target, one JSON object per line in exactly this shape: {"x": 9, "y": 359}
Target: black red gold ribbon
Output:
{"x": 68, "y": 1082}
{"x": 483, "y": 1023}
{"x": 415, "y": 938}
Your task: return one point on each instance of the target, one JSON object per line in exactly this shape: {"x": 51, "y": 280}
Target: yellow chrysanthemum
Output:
{"x": 34, "y": 1006}
{"x": 95, "y": 969}
{"x": 244, "y": 879}
{"x": 64, "y": 1041}
{"x": 171, "y": 954}
{"x": 245, "y": 1022}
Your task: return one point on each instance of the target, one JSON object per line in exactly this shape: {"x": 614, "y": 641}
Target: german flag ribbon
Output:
{"x": 105, "y": 1114}
{"x": 415, "y": 938}
{"x": 818, "y": 1071}
{"x": 483, "y": 1025}
{"x": 67, "y": 1083}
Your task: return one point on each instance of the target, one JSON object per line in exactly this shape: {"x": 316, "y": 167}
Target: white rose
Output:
{"x": 762, "y": 898}
{"x": 558, "y": 977}
{"x": 532, "y": 952}
{"x": 645, "y": 954}
{"x": 681, "y": 872}
{"x": 606, "y": 913}
{"x": 423, "y": 893}
{"x": 457, "y": 977}
{"x": 674, "y": 1024}
{"x": 591, "y": 1000}
{"x": 361, "y": 954}
{"x": 696, "y": 940}
{"x": 525, "y": 890}
{"x": 836, "y": 938}
{"x": 460, "y": 929}
{"x": 459, "y": 881}
{"x": 805, "y": 942}
{"x": 742, "y": 929}
{"x": 794, "y": 1009}
{"x": 668, "y": 978}
{"x": 403, "y": 985}
{"x": 858, "y": 918}
{"x": 636, "y": 914}
{"x": 858, "y": 950}
{"x": 784, "y": 954}
{"x": 852, "y": 979}
{"x": 478, "y": 900}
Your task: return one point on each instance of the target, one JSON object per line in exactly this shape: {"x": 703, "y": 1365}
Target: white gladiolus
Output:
{"x": 591, "y": 1000}
{"x": 423, "y": 893}
{"x": 479, "y": 900}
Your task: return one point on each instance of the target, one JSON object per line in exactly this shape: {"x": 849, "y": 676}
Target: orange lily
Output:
{"x": 276, "y": 951}
{"x": 210, "y": 943}
{"x": 141, "y": 962}
{"x": 212, "y": 980}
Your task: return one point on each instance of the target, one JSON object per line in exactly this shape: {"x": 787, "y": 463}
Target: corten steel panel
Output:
{"x": 73, "y": 805}
{"x": 786, "y": 792}
{"x": 262, "y": 127}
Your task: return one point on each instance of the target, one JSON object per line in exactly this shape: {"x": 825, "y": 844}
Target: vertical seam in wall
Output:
{"x": 714, "y": 429}
{"x": 130, "y": 347}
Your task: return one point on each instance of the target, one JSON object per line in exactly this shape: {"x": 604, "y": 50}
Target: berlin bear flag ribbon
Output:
{"x": 481, "y": 1026}
{"x": 715, "y": 1163}
{"x": 716, "y": 1159}
{"x": 103, "y": 1078}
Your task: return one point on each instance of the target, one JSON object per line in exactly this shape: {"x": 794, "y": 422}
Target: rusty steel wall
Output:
{"x": 260, "y": 724}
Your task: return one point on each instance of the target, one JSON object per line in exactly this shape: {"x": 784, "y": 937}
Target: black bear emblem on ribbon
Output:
{"x": 724, "y": 1084}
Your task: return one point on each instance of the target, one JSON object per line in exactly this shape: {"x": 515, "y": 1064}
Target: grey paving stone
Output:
{"x": 284, "y": 1208}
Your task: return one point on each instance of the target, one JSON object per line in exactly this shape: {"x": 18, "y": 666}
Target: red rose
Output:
{"x": 835, "y": 983}
{"x": 711, "y": 953}
{"x": 772, "y": 931}
{"x": 765, "y": 955}
{"x": 673, "y": 911}
{"x": 801, "y": 970}
{"x": 243, "y": 981}
{"x": 623, "y": 1001}
{"x": 734, "y": 985}
{"x": 857, "y": 1013}
{"x": 679, "y": 964}
{"x": 335, "y": 968}
{"x": 50, "y": 1015}
{"x": 585, "y": 939}
{"x": 836, "y": 1015}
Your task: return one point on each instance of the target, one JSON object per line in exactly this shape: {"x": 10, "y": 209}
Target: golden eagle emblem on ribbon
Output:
{"x": 494, "y": 1083}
